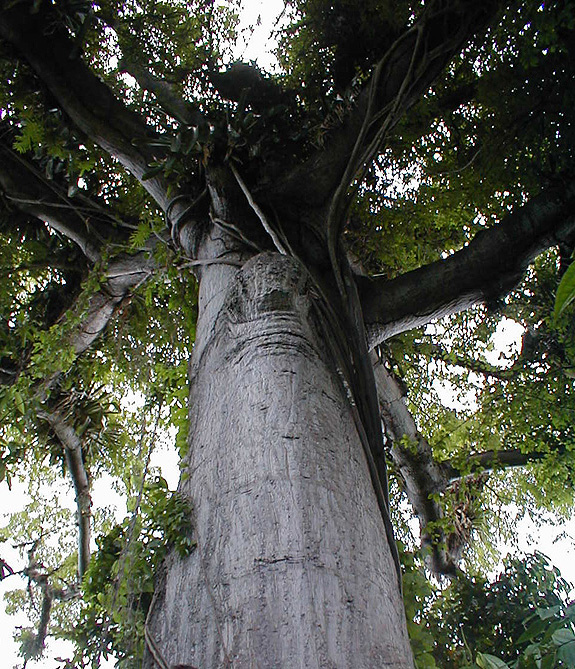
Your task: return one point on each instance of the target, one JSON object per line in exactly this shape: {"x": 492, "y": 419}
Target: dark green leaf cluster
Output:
{"x": 119, "y": 584}
{"x": 523, "y": 619}
{"x": 493, "y": 131}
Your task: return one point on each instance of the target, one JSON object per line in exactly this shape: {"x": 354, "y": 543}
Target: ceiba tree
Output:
{"x": 407, "y": 163}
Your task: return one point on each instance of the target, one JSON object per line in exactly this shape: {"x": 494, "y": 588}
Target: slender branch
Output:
{"x": 477, "y": 366}
{"x": 259, "y": 213}
{"x": 488, "y": 268}
{"x": 80, "y": 480}
{"x": 495, "y": 460}
{"x": 37, "y": 575}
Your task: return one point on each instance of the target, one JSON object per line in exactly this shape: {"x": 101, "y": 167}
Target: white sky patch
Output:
{"x": 505, "y": 346}
{"x": 260, "y": 19}
{"x": 506, "y": 342}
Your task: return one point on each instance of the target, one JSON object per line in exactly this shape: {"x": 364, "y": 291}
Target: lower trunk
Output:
{"x": 292, "y": 566}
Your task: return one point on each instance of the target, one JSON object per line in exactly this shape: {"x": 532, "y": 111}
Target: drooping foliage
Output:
{"x": 98, "y": 300}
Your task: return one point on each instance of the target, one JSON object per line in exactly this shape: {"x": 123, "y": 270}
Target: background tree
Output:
{"x": 299, "y": 232}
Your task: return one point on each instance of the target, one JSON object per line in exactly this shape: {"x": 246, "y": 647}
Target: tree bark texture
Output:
{"x": 292, "y": 566}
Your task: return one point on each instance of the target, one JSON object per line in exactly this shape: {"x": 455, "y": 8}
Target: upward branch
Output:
{"x": 422, "y": 476}
{"x": 404, "y": 73}
{"x": 82, "y": 95}
{"x": 75, "y": 462}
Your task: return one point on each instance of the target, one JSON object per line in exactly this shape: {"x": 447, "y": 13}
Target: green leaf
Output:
{"x": 486, "y": 661}
{"x": 563, "y": 636}
{"x": 566, "y": 653}
{"x": 152, "y": 171}
{"x": 19, "y": 402}
{"x": 540, "y": 625}
{"x": 565, "y": 291}
{"x": 549, "y": 612}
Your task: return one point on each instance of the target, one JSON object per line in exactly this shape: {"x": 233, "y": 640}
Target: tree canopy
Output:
{"x": 427, "y": 147}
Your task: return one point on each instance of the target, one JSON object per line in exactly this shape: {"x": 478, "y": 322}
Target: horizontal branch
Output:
{"x": 487, "y": 269}
{"x": 487, "y": 461}
{"x": 481, "y": 367}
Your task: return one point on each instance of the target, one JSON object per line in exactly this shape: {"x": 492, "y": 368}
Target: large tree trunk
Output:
{"x": 292, "y": 566}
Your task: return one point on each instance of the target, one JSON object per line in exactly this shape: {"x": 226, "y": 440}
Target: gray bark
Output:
{"x": 292, "y": 566}
{"x": 80, "y": 480}
{"x": 423, "y": 478}
{"x": 485, "y": 270}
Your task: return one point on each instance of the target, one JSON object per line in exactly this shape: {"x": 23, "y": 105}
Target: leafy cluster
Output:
{"x": 119, "y": 584}
{"x": 522, "y": 619}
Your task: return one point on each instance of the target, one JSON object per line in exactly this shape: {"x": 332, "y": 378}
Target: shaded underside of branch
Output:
{"x": 484, "y": 271}
{"x": 82, "y": 220}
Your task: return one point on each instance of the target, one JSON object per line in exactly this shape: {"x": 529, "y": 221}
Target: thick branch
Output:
{"x": 122, "y": 277}
{"x": 83, "y": 96}
{"x": 486, "y": 270}
{"x": 90, "y": 225}
{"x": 80, "y": 219}
{"x": 91, "y": 313}
{"x": 406, "y": 71}
{"x": 170, "y": 101}
{"x": 423, "y": 477}
{"x": 75, "y": 463}
{"x": 35, "y": 646}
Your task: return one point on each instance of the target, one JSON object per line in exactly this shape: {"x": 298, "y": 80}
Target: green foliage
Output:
{"x": 417, "y": 593}
{"x": 565, "y": 291}
{"x": 496, "y": 128}
{"x": 521, "y": 620}
{"x": 119, "y": 583}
